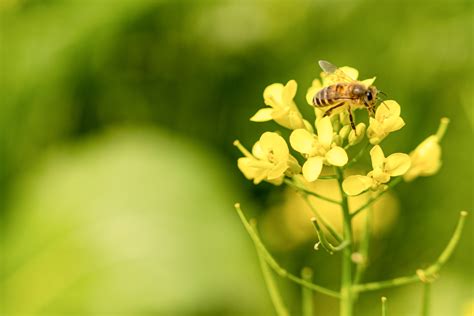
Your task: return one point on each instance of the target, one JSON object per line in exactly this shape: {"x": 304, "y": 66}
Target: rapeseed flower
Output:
{"x": 426, "y": 158}
{"x": 282, "y": 108}
{"x": 318, "y": 149}
{"x": 387, "y": 119}
{"x": 383, "y": 168}
{"x": 269, "y": 161}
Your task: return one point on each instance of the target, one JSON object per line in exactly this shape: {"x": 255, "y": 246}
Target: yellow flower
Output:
{"x": 426, "y": 158}
{"x": 270, "y": 160}
{"x": 318, "y": 149}
{"x": 383, "y": 168}
{"x": 282, "y": 108}
{"x": 387, "y": 119}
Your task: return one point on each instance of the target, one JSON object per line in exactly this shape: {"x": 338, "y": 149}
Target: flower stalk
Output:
{"x": 425, "y": 308}
{"x": 275, "y": 295}
{"x": 346, "y": 303}
{"x": 383, "y": 299}
{"x": 306, "y": 294}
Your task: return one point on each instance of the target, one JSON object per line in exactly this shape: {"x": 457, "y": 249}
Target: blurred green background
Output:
{"x": 117, "y": 170}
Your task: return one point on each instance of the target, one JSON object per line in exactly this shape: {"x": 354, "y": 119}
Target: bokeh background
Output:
{"x": 117, "y": 170}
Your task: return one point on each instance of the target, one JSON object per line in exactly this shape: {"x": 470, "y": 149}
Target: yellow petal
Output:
{"x": 308, "y": 126}
{"x": 293, "y": 166}
{"x": 244, "y": 164}
{"x": 368, "y": 82}
{"x": 272, "y": 95}
{"x": 262, "y": 115}
{"x": 277, "y": 171}
{"x": 393, "y": 124}
{"x": 426, "y": 158}
{"x": 272, "y": 142}
{"x": 296, "y": 120}
{"x": 315, "y": 87}
{"x": 344, "y": 131}
{"x": 374, "y": 140}
{"x": 289, "y": 91}
{"x": 281, "y": 116}
{"x": 312, "y": 168}
{"x": 379, "y": 175}
{"x": 351, "y": 72}
{"x": 397, "y": 164}
{"x": 377, "y": 156}
{"x": 258, "y": 151}
{"x": 276, "y": 181}
{"x": 355, "y": 185}
{"x": 324, "y": 128}
{"x": 302, "y": 141}
{"x": 337, "y": 156}
{"x": 386, "y": 109}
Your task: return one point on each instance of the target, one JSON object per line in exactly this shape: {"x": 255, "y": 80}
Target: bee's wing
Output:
{"x": 334, "y": 73}
{"x": 327, "y": 66}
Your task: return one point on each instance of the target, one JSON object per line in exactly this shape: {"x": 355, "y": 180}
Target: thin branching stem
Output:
{"x": 307, "y": 294}
{"x": 425, "y": 307}
{"x": 357, "y": 156}
{"x": 384, "y": 305}
{"x": 275, "y": 296}
{"x": 299, "y": 187}
{"x": 324, "y": 242}
{"x": 371, "y": 200}
{"x": 421, "y": 275}
{"x": 322, "y": 220}
{"x": 364, "y": 248}
{"x": 274, "y": 265}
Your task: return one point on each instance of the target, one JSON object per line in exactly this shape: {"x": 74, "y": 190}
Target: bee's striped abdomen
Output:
{"x": 330, "y": 95}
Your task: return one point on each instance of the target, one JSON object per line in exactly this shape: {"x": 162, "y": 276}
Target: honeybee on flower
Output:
{"x": 344, "y": 92}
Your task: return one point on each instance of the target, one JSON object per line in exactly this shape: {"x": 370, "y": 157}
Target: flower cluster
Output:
{"x": 330, "y": 139}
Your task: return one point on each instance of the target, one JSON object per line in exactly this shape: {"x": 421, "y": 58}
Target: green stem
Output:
{"x": 346, "y": 302}
{"x": 357, "y": 156}
{"x": 272, "y": 262}
{"x": 384, "y": 305}
{"x": 309, "y": 192}
{"x": 420, "y": 275}
{"x": 306, "y": 294}
{"x": 275, "y": 296}
{"x": 371, "y": 200}
{"x": 425, "y": 309}
{"x": 321, "y": 219}
{"x": 324, "y": 242}
{"x": 364, "y": 248}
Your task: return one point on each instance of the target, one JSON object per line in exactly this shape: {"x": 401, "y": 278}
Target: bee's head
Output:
{"x": 370, "y": 99}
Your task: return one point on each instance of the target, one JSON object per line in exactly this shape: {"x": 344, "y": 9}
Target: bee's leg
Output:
{"x": 351, "y": 118}
{"x": 370, "y": 109}
{"x": 329, "y": 111}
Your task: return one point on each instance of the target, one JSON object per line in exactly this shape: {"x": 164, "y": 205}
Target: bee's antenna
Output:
{"x": 383, "y": 101}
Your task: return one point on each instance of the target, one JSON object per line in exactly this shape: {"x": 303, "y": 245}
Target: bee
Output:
{"x": 347, "y": 93}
